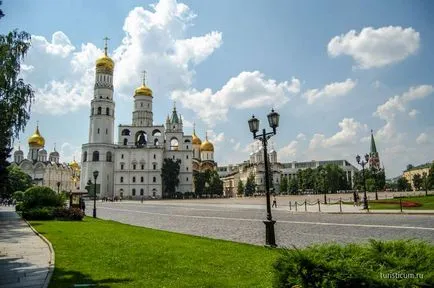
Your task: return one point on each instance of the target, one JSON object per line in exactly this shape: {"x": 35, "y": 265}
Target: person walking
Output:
{"x": 274, "y": 201}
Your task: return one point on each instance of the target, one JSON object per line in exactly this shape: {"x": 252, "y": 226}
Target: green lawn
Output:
{"x": 426, "y": 201}
{"x": 111, "y": 254}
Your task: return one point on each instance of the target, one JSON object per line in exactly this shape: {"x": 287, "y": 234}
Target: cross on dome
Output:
{"x": 105, "y": 44}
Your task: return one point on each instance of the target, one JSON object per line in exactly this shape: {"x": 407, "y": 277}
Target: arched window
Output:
{"x": 95, "y": 156}
{"x": 154, "y": 179}
{"x": 125, "y": 132}
{"x": 155, "y": 156}
{"x": 141, "y": 191}
{"x": 174, "y": 144}
{"x": 156, "y": 142}
{"x": 134, "y": 179}
{"x": 99, "y": 110}
{"x": 141, "y": 138}
{"x": 85, "y": 156}
{"x": 156, "y": 132}
{"x": 133, "y": 192}
{"x": 122, "y": 179}
{"x": 125, "y": 141}
{"x": 107, "y": 111}
{"x": 109, "y": 156}
{"x": 141, "y": 179}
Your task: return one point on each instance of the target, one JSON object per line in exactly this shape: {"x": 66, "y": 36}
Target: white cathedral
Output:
{"x": 131, "y": 167}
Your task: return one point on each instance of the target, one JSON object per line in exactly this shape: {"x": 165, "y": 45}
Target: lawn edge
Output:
{"x": 52, "y": 255}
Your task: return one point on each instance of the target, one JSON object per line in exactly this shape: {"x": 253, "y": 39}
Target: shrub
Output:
{"x": 44, "y": 213}
{"x": 37, "y": 197}
{"x": 18, "y": 195}
{"x": 19, "y": 206}
{"x": 357, "y": 265}
{"x": 62, "y": 213}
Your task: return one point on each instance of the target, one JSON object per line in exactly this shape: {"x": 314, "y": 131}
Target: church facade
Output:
{"x": 131, "y": 166}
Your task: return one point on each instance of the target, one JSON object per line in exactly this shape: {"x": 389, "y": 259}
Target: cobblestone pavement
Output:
{"x": 243, "y": 222}
{"x": 24, "y": 257}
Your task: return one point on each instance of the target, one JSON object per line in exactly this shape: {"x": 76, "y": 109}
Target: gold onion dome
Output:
{"x": 196, "y": 140}
{"x": 207, "y": 146}
{"x": 36, "y": 139}
{"x": 105, "y": 64}
{"x": 143, "y": 90}
{"x": 74, "y": 165}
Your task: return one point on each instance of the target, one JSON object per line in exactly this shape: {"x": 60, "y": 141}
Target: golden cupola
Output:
{"x": 105, "y": 64}
{"x": 36, "y": 139}
{"x": 196, "y": 140}
{"x": 143, "y": 90}
{"x": 207, "y": 146}
{"x": 74, "y": 165}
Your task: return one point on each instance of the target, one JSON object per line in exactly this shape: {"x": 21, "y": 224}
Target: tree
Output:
{"x": 15, "y": 95}
{"x": 17, "y": 180}
{"x": 370, "y": 185}
{"x": 293, "y": 186}
{"x": 240, "y": 188}
{"x": 410, "y": 166}
{"x": 403, "y": 184}
{"x": 284, "y": 185}
{"x": 426, "y": 183}
{"x": 417, "y": 181}
{"x": 169, "y": 176}
{"x": 250, "y": 188}
{"x": 215, "y": 184}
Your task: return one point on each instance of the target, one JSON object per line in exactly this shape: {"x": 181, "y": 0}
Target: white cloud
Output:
{"x": 69, "y": 152}
{"x": 422, "y": 139}
{"x": 154, "y": 41}
{"x": 349, "y": 134}
{"x": 27, "y": 68}
{"x": 288, "y": 152}
{"x": 376, "y": 47}
{"x": 245, "y": 91}
{"x": 214, "y": 138}
{"x": 413, "y": 113}
{"x": 376, "y": 84}
{"x": 331, "y": 90}
{"x": 301, "y": 137}
{"x": 237, "y": 146}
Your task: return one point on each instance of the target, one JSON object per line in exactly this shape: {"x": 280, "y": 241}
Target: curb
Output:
{"x": 364, "y": 213}
{"x": 51, "y": 263}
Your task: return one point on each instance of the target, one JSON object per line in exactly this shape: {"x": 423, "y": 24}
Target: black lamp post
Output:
{"x": 95, "y": 175}
{"x": 363, "y": 163}
{"x": 273, "y": 120}
{"x": 58, "y": 187}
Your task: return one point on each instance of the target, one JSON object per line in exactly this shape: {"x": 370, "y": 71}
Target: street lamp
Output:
{"x": 273, "y": 121}
{"x": 363, "y": 163}
{"x": 95, "y": 175}
{"x": 58, "y": 187}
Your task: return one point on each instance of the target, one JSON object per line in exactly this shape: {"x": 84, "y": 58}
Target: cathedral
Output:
{"x": 46, "y": 169}
{"x": 131, "y": 166}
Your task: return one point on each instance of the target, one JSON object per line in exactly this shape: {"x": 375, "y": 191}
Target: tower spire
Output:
{"x": 144, "y": 78}
{"x": 373, "y": 146}
{"x": 105, "y": 45}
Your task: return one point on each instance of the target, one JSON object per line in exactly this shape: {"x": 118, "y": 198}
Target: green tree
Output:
{"x": 15, "y": 95}
{"x": 240, "y": 188}
{"x": 293, "y": 186}
{"x": 417, "y": 181}
{"x": 410, "y": 166}
{"x": 250, "y": 187}
{"x": 370, "y": 185}
{"x": 403, "y": 184}
{"x": 18, "y": 180}
{"x": 215, "y": 184}
{"x": 284, "y": 185}
{"x": 426, "y": 185}
{"x": 169, "y": 176}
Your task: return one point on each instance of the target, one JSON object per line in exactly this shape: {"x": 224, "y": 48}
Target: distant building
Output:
{"x": 409, "y": 173}
{"x": 46, "y": 169}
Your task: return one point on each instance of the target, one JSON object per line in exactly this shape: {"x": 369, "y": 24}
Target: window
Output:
{"x": 156, "y": 143}
{"x": 99, "y": 110}
{"x": 141, "y": 191}
{"x": 107, "y": 111}
{"x": 95, "y": 156}
{"x": 143, "y": 167}
{"x": 125, "y": 143}
{"x": 154, "y": 179}
{"x": 125, "y": 132}
{"x": 122, "y": 156}
{"x": 141, "y": 104}
{"x": 133, "y": 192}
{"x": 122, "y": 166}
{"x": 187, "y": 179}
{"x": 187, "y": 168}
{"x": 154, "y": 166}
{"x": 134, "y": 179}
{"x": 106, "y": 131}
{"x": 155, "y": 156}
{"x": 122, "y": 179}
{"x": 109, "y": 156}
{"x": 134, "y": 166}
{"x": 98, "y": 130}
{"x": 141, "y": 179}
{"x": 85, "y": 156}
{"x": 187, "y": 147}
{"x": 187, "y": 157}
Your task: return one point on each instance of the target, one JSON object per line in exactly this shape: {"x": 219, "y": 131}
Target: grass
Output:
{"x": 427, "y": 203}
{"x": 111, "y": 254}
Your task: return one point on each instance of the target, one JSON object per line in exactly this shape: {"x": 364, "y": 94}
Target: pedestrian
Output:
{"x": 355, "y": 198}
{"x": 274, "y": 201}
{"x": 141, "y": 200}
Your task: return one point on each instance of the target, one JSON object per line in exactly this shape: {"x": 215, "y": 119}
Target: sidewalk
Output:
{"x": 24, "y": 257}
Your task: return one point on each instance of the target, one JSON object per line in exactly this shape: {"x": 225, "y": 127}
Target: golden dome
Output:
{"x": 74, "y": 165}
{"x": 196, "y": 140}
{"x": 105, "y": 65}
{"x": 36, "y": 139}
{"x": 143, "y": 90}
{"x": 207, "y": 146}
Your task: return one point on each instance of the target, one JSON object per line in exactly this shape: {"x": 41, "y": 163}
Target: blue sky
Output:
{"x": 332, "y": 69}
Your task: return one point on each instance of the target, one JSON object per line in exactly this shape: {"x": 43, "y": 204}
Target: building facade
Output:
{"x": 132, "y": 166}
{"x": 420, "y": 169}
{"x": 46, "y": 169}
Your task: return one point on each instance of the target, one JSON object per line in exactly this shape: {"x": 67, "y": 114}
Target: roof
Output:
{"x": 422, "y": 166}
